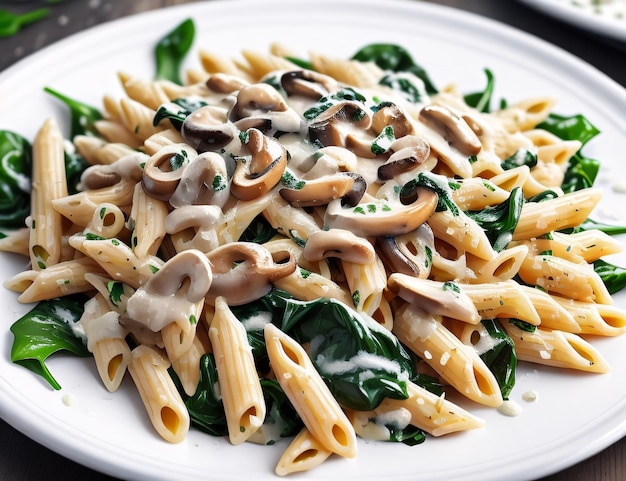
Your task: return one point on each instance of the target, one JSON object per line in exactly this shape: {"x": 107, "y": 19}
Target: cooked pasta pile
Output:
{"x": 370, "y": 196}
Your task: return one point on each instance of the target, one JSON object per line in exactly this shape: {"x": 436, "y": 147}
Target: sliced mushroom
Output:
{"x": 163, "y": 171}
{"x": 174, "y": 294}
{"x": 382, "y": 217}
{"x": 194, "y": 227}
{"x": 339, "y": 243}
{"x": 244, "y": 272}
{"x": 335, "y": 126}
{"x": 261, "y": 106}
{"x": 263, "y": 171}
{"x": 128, "y": 167}
{"x": 320, "y": 191}
{"x": 438, "y": 298}
{"x": 392, "y": 115}
{"x": 208, "y": 128}
{"x": 308, "y": 83}
{"x": 204, "y": 181}
{"x": 410, "y": 253}
{"x": 224, "y": 83}
{"x": 408, "y": 154}
{"x": 451, "y": 127}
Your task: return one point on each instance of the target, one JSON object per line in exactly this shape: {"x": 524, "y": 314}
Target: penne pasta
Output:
{"x": 239, "y": 382}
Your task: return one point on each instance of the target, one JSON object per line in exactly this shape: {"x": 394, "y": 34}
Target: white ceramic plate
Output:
{"x": 585, "y": 18}
{"x": 575, "y": 416}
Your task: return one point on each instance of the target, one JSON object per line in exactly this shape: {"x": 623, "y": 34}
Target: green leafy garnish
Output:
{"x": 500, "y": 221}
{"x": 361, "y": 362}
{"x": 45, "y": 330}
{"x": 11, "y": 23}
{"x": 395, "y": 59}
{"x": 171, "y": 50}
{"x": 15, "y": 178}
{"x": 501, "y": 358}
{"x": 83, "y": 116}
{"x": 481, "y": 101}
{"x": 614, "y": 277}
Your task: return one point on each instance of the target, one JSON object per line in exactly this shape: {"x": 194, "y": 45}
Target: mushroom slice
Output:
{"x": 382, "y": 217}
{"x": 174, "y": 294}
{"x": 438, "y": 298}
{"x": 208, "y": 128}
{"x": 390, "y": 114}
{"x": 224, "y": 83}
{"x": 339, "y": 243}
{"x": 262, "y": 106}
{"x": 204, "y": 181}
{"x": 408, "y": 154}
{"x": 202, "y": 220}
{"x": 308, "y": 83}
{"x": 128, "y": 167}
{"x": 451, "y": 127}
{"x": 244, "y": 272}
{"x": 409, "y": 253}
{"x": 320, "y": 191}
{"x": 163, "y": 170}
{"x": 257, "y": 176}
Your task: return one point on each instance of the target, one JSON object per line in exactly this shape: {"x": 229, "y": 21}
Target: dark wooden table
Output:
{"x": 21, "y": 459}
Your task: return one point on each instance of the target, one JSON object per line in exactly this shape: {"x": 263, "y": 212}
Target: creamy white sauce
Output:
{"x": 510, "y": 408}
{"x": 69, "y": 400}
{"x": 530, "y": 396}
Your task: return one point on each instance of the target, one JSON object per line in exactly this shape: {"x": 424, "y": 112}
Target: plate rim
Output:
{"x": 459, "y": 15}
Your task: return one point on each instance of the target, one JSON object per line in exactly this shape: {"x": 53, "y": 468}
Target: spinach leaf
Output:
{"x": 206, "y": 410}
{"x": 410, "y": 435}
{"x": 581, "y": 171}
{"x": 361, "y": 362}
{"x": 437, "y": 184}
{"x": 521, "y": 157}
{"x": 254, "y": 315}
{"x": 45, "y": 330}
{"x": 500, "y": 221}
{"x": 279, "y": 411}
{"x": 501, "y": 359}
{"x": 609, "y": 229}
{"x": 11, "y": 23}
{"x": 306, "y": 64}
{"x": 177, "y": 111}
{"x": 15, "y": 177}
{"x": 259, "y": 231}
{"x": 396, "y": 59}
{"x": 614, "y": 277}
{"x": 83, "y": 116}
{"x": 481, "y": 101}
{"x": 74, "y": 167}
{"x": 412, "y": 91}
{"x": 171, "y": 50}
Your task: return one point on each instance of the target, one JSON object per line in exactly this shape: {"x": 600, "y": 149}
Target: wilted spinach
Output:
{"x": 171, "y": 50}
{"x": 15, "y": 177}
{"x": 45, "y": 330}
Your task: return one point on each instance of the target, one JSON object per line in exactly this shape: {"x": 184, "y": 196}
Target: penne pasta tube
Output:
{"x": 62, "y": 279}
{"x": 308, "y": 393}
{"x": 593, "y": 318}
{"x": 106, "y": 340}
{"x": 366, "y": 283}
{"x": 461, "y": 232}
{"x": 187, "y": 366}
{"x": 163, "y": 403}
{"x": 502, "y": 299}
{"x": 304, "y": 453}
{"x": 559, "y": 276}
{"x": 147, "y": 218}
{"x": 49, "y": 183}
{"x": 568, "y": 210}
{"x": 16, "y": 242}
{"x": 556, "y": 348}
{"x": 118, "y": 260}
{"x": 81, "y": 207}
{"x": 456, "y": 363}
{"x": 107, "y": 221}
{"x": 504, "y": 266}
{"x": 553, "y": 315}
{"x": 239, "y": 382}
{"x": 431, "y": 413}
